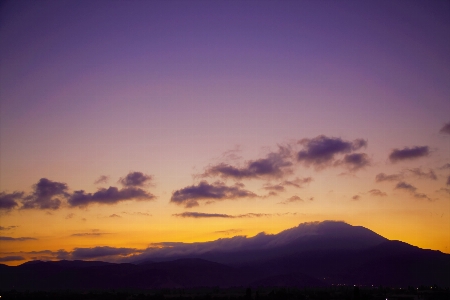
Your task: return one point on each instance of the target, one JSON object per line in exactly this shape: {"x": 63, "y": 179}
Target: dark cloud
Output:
{"x": 11, "y": 258}
{"x": 376, "y": 192}
{"x": 405, "y": 186}
{"x": 355, "y": 161}
{"x": 8, "y": 227}
{"x": 292, "y": 199}
{"x": 112, "y": 195}
{"x": 201, "y": 215}
{"x": 421, "y": 174}
{"x": 421, "y": 196}
{"x": 102, "y": 179}
{"x": 383, "y": 177}
{"x": 8, "y": 201}
{"x": 275, "y": 165}
{"x": 44, "y": 195}
{"x": 321, "y": 151}
{"x": 356, "y": 197}
{"x": 408, "y": 153}
{"x": 135, "y": 179}
{"x": 445, "y": 128}
{"x": 89, "y": 253}
{"x": 189, "y": 196}
{"x": 20, "y": 239}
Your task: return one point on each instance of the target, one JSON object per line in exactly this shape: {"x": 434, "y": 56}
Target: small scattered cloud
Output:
{"x": 276, "y": 187}
{"x": 421, "y": 174}
{"x": 228, "y": 232}
{"x": 275, "y": 165}
{"x": 11, "y": 258}
{"x": 377, "y": 192}
{"x": 9, "y": 201}
{"x": 412, "y": 189}
{"x": 320, "y": 151}
{"x": 112, "y": 195}
{"x": 45, "y": 195}
{"x": 448, "y": 180}
{"x": 408, "y": 153}
{"x": 445, "y": 167}
{"x": 102, "y": 179}
{"x": 70, "y": 216}
{"x": 298, "y": 182}
{"x": 19, "y": 239}
{"x": 445, "y": 129}
{"x": 8, "y": 227}
{"x": 115, "y": 216}
{"x": 135, "y": 179}
{"x": 137, "y": 213}
{"x": 89, "y": 234}
{"x": 444, "y": 190}
{"x": 405, "y": 186}
{"x": 198, "y": 215}
{"x": 356, "y": 197}
{"x": 189, "y": 196}
{"x": 383, "y": 177}
{"x": 355, "y": 161}
{"x": 291, "y": 200}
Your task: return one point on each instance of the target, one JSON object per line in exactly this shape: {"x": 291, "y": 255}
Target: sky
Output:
{"x": 127, "y": 125}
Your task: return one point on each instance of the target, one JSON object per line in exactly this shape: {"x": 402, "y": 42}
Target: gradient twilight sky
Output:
{"x": 127, "y": 123}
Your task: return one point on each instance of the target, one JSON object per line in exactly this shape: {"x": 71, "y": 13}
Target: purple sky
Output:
{"x": 172, "y": 88}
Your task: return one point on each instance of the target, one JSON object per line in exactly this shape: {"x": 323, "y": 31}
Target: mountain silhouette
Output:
{"x": 311, "y": 254}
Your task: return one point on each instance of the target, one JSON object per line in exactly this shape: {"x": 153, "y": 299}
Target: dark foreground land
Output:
{"x": 240, "y": 293}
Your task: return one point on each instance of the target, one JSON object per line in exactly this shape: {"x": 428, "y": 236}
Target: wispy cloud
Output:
{"x": 383, "y": 177}
{"x": 445, "y": 129}
{"x": 11, "y": 258}
{"x": 19, "y": 239}
{"x": 291, "y": 200}
{"x": 377, "y": 192}
{"x": 417, "y": 172}
{"x": 102, "y": 179}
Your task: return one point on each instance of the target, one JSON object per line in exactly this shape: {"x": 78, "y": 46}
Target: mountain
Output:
{"x": 311, "y": 254}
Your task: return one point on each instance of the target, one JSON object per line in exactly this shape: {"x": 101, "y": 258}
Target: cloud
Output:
{"x": 292, "y": 199}
{"x": 275, "y": 165}
{"x": 383, "y": 177}
{"x": 112, "y": 195}
{"x": 44, "y": 195}
{"x": 228, "y": 232}
{"x": 445, "y": 128}
{"x": 135, "y": 179}
{"x": 405, "y": 186}
{"x": 276, "y": 187}
{"x": 8, "y": 227}
{"x": 137, "y": 213}
{"x": 11, "y": 258}
{"x": 115, "y": 216}
{"x": 70, "y": 216}
{"x": 356, "y": 197}
{"x": 420, "y": 174}
{"x": 89, "y": 234}
{"x": 448, "y": 180}
{"x": 376, "y": 192}
{"x": 355, "y": 161}
{"x": 408, "y": 153}
{"x": 298, "y": 182}
{"x": 412, "y": 189}
{"x": 321, "y": 151}
{"x": 444, "y": 167}
{"x": 198, "y": 215}
{"x": 20, "y": 239}
{"x": 102, "y": 179}
{"x": 189, "y": 196}
{"x": 201, "y": 215}
{"x": 444, "y": 190}
{"x": 89, "y": 253}
{"x": 8, "y": 201}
